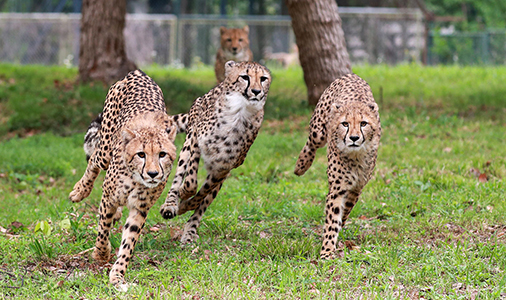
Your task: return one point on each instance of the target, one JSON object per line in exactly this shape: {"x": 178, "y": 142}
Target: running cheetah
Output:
{"x": 220, "y": 127}
{"x": 346, "y": 117}
{"x": 135, "y": 144}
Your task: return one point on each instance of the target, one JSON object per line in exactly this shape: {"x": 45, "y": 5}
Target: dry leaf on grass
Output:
{"x": 482, "y": 178}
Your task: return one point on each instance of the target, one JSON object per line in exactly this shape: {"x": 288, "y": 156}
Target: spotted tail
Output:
{"x": 92, "y": 137}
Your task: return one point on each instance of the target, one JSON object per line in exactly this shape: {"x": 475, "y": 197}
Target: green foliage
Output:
{"x": 488, "y": 13}
{"x": 426, "y": 224}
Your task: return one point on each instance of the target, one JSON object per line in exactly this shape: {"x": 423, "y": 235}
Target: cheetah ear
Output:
{"x": 127, "y": 135}
{"x": 222, "y": 30}
{"x": 228, "y": 67}
{"x": 246, "y": 29}
{"x": 334, "y": 107}
{"x": 373, "y": 107}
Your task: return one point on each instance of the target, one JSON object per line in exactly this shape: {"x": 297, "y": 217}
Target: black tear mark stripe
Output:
{"x": 347, "y": 131}
{"x": 245, "y": 93}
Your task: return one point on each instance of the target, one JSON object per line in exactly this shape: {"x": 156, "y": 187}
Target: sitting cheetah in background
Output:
{"x": 347, "y": 117}
{"x": 220, "y": 127}
{"x": 136, "y": 147}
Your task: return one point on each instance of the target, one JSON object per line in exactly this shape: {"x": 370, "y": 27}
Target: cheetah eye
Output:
{"x": 345, "y": 124}
{"x": 141, "y": 154}
{"x": 363, "y": 124}
{"x": 245, "y": 77}
{"x": 229, "y": 40}
{"x": 240, "y": 40}
{"x": 162, "y": 154}
{"x": 263, "y": 78}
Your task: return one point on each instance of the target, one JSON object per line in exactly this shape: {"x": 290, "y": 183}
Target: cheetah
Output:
{"x": 234, "y": 45}
{"x": 220, "y": 127}
{"x": 136, "y": 147}
{"x": 346, "y": 117}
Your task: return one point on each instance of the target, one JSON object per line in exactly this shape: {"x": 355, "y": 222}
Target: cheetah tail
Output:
{"x": 92, "y": 137}
{"x": 182, "y": 122}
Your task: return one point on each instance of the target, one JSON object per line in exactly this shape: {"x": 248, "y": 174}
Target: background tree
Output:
{"x": 102, "y": 54}
{"x": 320, "y": 39}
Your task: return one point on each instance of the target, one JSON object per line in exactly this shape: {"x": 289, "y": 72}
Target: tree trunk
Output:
{"x": 102, "y": 54}
{"x": 320, "y": 39}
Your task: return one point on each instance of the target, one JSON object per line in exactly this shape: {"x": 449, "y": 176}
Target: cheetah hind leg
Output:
{"x": 190, "y": 185}
{"x": 190, "y": 229}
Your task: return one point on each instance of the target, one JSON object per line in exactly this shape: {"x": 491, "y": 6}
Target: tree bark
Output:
{"x": 102, "y": 54}
{"x": 320, "y": 39}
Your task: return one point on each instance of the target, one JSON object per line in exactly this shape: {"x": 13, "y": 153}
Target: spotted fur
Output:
{"x": 221, "y": 126}
{"x": 135, "y": 144}
{"x": 346, "y": 117}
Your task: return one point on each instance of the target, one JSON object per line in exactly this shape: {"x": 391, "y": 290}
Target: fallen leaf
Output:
{"x": 17, "y": 224}
{"x": 447, "y": 149}
{"x": 482, "y": 178}
{"x": 362, "y": 217}
{"x": 351, "y": 245}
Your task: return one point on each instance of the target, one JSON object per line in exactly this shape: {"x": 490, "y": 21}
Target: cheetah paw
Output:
{"x": 327, "y": 255}
{"x": 188, "y": 238}
{"x": 75, "y": 196}
{"x": 168, "y": 211}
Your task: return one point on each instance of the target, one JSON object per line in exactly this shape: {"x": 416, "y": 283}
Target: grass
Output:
{"x": 427, "y": 224}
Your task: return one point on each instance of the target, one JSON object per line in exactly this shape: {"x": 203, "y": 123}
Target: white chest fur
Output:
{"x": 238, "y": 108}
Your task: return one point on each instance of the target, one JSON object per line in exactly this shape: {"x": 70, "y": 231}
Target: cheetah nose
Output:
{"x": 234, "y": 49}
{"x": 152, "y": 174}
{"x": 354, "y": 138}
{"x": 256, "y": 92}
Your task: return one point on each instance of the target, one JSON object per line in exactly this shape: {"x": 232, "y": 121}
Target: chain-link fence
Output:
{"x": 374, "y": 35}
{"x": 488, "y": 47}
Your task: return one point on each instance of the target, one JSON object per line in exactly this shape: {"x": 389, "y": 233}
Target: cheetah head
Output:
{"x": 149, "y": 150}
{"x": 354, "y": 126}
{"x": 249, "y": 79}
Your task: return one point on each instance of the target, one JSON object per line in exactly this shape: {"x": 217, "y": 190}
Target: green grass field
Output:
{"x": 430, "y": 224}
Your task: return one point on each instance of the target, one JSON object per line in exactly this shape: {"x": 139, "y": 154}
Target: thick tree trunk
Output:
{"x": 320, "y": 39}
{"x": 102, "y": 54}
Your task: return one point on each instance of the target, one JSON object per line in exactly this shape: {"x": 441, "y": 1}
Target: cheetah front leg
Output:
{"x": 131, "y": 231}
{"x": 169, "y": 209}
{"x": 83, "y": 187}
{"x": 209, "y": 187}
{"x": 340, "y": 201}
{"x": 317, "y": 139}
{"x": 190, "y": 228}
{"x": 102, "y": 251}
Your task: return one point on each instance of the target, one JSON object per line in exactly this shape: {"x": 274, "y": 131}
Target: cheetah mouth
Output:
{"x": 151, "y": 183}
